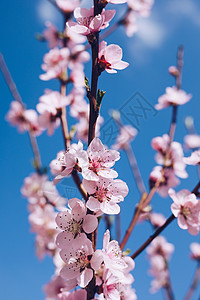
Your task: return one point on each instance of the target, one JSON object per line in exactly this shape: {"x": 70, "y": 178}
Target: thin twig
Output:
{"x": 13, "y": 90}
{"x": 152, "y": 237}
{"x": 194, "y": 284}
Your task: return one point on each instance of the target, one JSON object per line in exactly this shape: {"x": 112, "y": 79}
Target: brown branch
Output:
{"x": 13, "y": 90}
{"x": 194, "y": 284}
{"x": 152, "y": 237}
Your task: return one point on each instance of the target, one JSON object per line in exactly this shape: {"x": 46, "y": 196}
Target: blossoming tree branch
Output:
{"x": 67, "y": 229}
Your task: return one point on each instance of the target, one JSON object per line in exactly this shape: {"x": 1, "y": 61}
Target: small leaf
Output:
{"x": 100, "y": 95}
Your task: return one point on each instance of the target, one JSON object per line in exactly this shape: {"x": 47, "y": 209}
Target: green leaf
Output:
{"x": 100, "y": 95}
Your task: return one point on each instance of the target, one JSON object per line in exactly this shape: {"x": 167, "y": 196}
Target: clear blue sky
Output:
{"x": 149, "y": 53}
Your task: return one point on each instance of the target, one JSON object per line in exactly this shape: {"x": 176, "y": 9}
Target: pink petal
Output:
{"x": 85, "y": 277}
{"x": 90, "y": 223}
{"x": 109, "y": 14}
{"x": 93, "y": 204}
{"x": 113, "y": 54}
{"x": 120, "y": 65}
{"x": 106, "y": 239}
{"x": 64, "y": 239}
{"x": 97, "y": 259}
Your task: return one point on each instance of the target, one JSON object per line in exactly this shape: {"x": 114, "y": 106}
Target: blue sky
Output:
{"x": 149, "y": 53}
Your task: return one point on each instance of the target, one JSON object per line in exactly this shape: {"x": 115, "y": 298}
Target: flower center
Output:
{"x": 103, "y": 64}
{"x": 185, "y": 211}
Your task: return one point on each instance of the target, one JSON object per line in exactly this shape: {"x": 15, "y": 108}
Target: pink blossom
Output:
{"x": 195, "y": 251}
{"x": 110, "y": 58}
{"x": 50, "y": 109}
{"x": 142, "y": 7}
{"x": 173, "y": 96}
{"x": 55, "y": 64}
{"x": 160, "y": 246}
{"x": 111, "y": 256}
{"x": 97, "y": 161}
{"x": 156, "y": 219}
{"x": 25, "y": 120}
{"x": 116, "y": 1}
{"x": 67, "y": 6}
{"x": 194, "y": 159}
{"x": 175, "y": 155}
{"x": 51, "y": 35}
{"x": 173, "y": 71}
{"x": 73, "y": 221}
{"x": 192, "y": 141}
{"x": 78, "y": 107}
{"x": 53, "y": 288}
{"x": 55, "y": 165}
{"x": 76, "y": 295}
{"x": 68, "y": 161}
{"x": 42, "y": 222}
{"x": 130, "y": 24}
{"x": 186, "y": 208}
{"x": 126, "y": 136}
{"x": 104, "y": 194}
{"x": 77, "y": 76}
{"x": 39, "y": 191}
{"x": 78, "y": 56}
{"x": 87, "y": 23}
{"x": 77, "y": 262}
{"x": 166, "y": 178}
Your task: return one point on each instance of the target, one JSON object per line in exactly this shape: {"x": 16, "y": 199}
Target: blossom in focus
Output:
{"x": 55, "y": 64}
{"x": 110, "y": 58}
{"x": 87, "y": 23}
{"x": 68, "y": 160}
{"x": 194, "y": 159}
{"x": 97, "y": 161}
{"x": 104, "y": 194}
{"x": 192, "y": 141}
{"x": 51, "y": 35}
{"x": 77, "y": 262}
{"x": 125, "y": 137}
{"x": 173, "y": 96}
{"x": 111, "y": 256}
{"x": 73, "y": 222}
{"x": 186, "y": 208}
{"x": 195, "y": 251}
{"x": 142, "y": 7}
{"x": 67, "y": 6}
{"x": 49, "y": 108}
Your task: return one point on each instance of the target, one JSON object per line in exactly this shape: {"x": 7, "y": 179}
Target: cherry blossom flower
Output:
{"x": 115, "y": 1}
{"x": 130, "y": 24}
{"x": 67, "y": 6}
{"x": 25, "y": 120}
{"x": 42, "y": 222}
{"x": 194, "y": 159}
{"x": 192, "y": 141}
{"x": 39, "y": 191}
{"x": 78, "y": 262}
{"x": 97, "y": 161}
{"x": 87, "y": 23}
{"x": 160, "y": 246}
{"x": 73, "y": 222}
{"x": 76, "y": 295}
{"x": 51, "y": 35}
{"x": 186, "y": 208}
{"x": 55, "y": 166}
{"x": 111, "y": 256}
{"x": 104, "y": 194}
{"x": 68, "y": 160}
{"x": 78, "y": 107}
{"x": 126, "y": 136}
{"x": 53, "y": 288}
{"x": 166, "y": 179}
{"x": 156, "y": 219}
{"x": 77, "y": 76}
{"x": 50, "y": 109}
{"x": 110, "y": 58}
{"x": 142, "y": 7}
{"x": 175, "y": 156}
{"x": 173, "y": 96}
{"x": 55, "y": 64}
{"x": 195, "y": 251}
{"x": 78, "y": 56}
